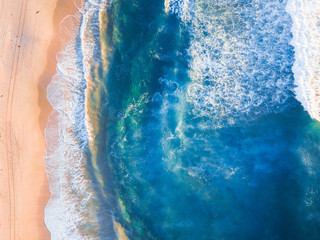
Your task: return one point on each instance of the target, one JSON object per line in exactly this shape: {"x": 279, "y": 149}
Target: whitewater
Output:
{"x": 240, "y": 66}
{"x": 305, "y": 16}
{"x": 248, "y": 95}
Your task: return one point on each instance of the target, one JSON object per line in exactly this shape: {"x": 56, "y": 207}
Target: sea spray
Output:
{"x": 306, "y": 41}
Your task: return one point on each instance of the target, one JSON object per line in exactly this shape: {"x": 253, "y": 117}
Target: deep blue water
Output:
{"x": 181, "y": 169}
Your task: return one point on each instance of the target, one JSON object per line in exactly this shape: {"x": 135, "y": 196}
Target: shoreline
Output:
{"x": 62, "y": 10}
{"x": 29, "y": 37}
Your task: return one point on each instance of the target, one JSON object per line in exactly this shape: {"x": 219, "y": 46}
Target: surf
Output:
{"x": 306, "y": 42}
{"x": 73, "y": 211}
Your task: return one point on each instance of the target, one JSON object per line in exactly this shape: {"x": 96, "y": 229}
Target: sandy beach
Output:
{"x": 29, "y": 43}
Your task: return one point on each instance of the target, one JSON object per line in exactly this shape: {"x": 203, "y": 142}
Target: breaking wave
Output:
{"x": 306, "y": 41}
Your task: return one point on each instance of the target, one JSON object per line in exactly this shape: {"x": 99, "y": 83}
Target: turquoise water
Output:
{"x": 196, "y": 130}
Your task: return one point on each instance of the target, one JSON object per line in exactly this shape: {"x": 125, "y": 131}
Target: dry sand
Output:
{"x": 28, "y": 46}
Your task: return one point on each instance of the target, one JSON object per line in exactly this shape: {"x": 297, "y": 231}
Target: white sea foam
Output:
{"x": 72, "y": 210}
{"x": 178, "y": 7}
{"x": 240, "y": 58}
{"x": 305, "y": 15}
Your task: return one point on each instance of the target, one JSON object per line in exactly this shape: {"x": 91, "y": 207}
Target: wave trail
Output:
{"x": 305, "y": 15}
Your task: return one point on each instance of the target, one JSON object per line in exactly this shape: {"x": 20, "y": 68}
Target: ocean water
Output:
{"x": 186, "y": 119}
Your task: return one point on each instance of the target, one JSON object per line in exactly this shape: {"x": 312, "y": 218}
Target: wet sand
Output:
{"x": 29, "y": 42}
